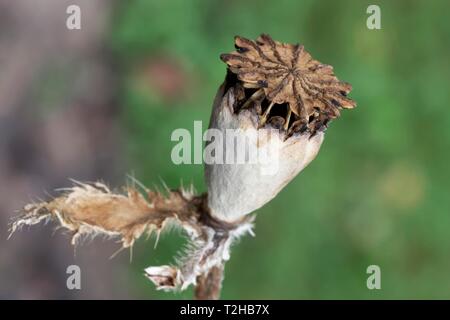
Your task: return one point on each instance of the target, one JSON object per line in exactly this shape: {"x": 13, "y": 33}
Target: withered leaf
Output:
{"x": 93, "y": 208}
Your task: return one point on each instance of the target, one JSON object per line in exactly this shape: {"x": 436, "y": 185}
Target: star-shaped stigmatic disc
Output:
{"x": 287, "y": 74}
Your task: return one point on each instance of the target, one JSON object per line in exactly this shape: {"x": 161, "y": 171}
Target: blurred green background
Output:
{"x": 378, "y": 191}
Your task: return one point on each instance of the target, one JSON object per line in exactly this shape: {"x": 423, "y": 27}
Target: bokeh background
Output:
{"x": 101, "y": 102}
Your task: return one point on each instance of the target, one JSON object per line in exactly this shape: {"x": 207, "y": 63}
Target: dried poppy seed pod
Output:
{"x": 277, "y": 87}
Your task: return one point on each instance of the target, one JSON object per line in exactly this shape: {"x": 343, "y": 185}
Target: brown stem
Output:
{"x": 209, "y": 285}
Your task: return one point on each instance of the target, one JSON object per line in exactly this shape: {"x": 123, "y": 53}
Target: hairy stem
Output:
{"x": 209, "y": 285}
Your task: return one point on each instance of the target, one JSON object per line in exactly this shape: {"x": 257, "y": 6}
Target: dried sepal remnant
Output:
{"x": 93, "y": 209}
{"x": 90, "y": 209}
{"x": 208, "y": 250}
{"x": 283, "y": 80}
{"x": 164, "y": 277}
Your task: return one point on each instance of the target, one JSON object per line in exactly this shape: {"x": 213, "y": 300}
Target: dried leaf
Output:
{"x": 93, "y": 208}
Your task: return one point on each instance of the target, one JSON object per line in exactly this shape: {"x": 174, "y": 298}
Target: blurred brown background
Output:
{"x": 58, "y": 119}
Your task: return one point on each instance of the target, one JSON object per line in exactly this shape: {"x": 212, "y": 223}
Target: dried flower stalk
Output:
{"x": 269, "y": 85}
{"x": 92, "y": 209}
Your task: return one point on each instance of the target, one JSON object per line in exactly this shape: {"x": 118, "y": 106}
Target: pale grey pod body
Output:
{"x": 235, "y": 190}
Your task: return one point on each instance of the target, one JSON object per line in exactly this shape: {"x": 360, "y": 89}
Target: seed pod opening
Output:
{"x": 283, "y": 80}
